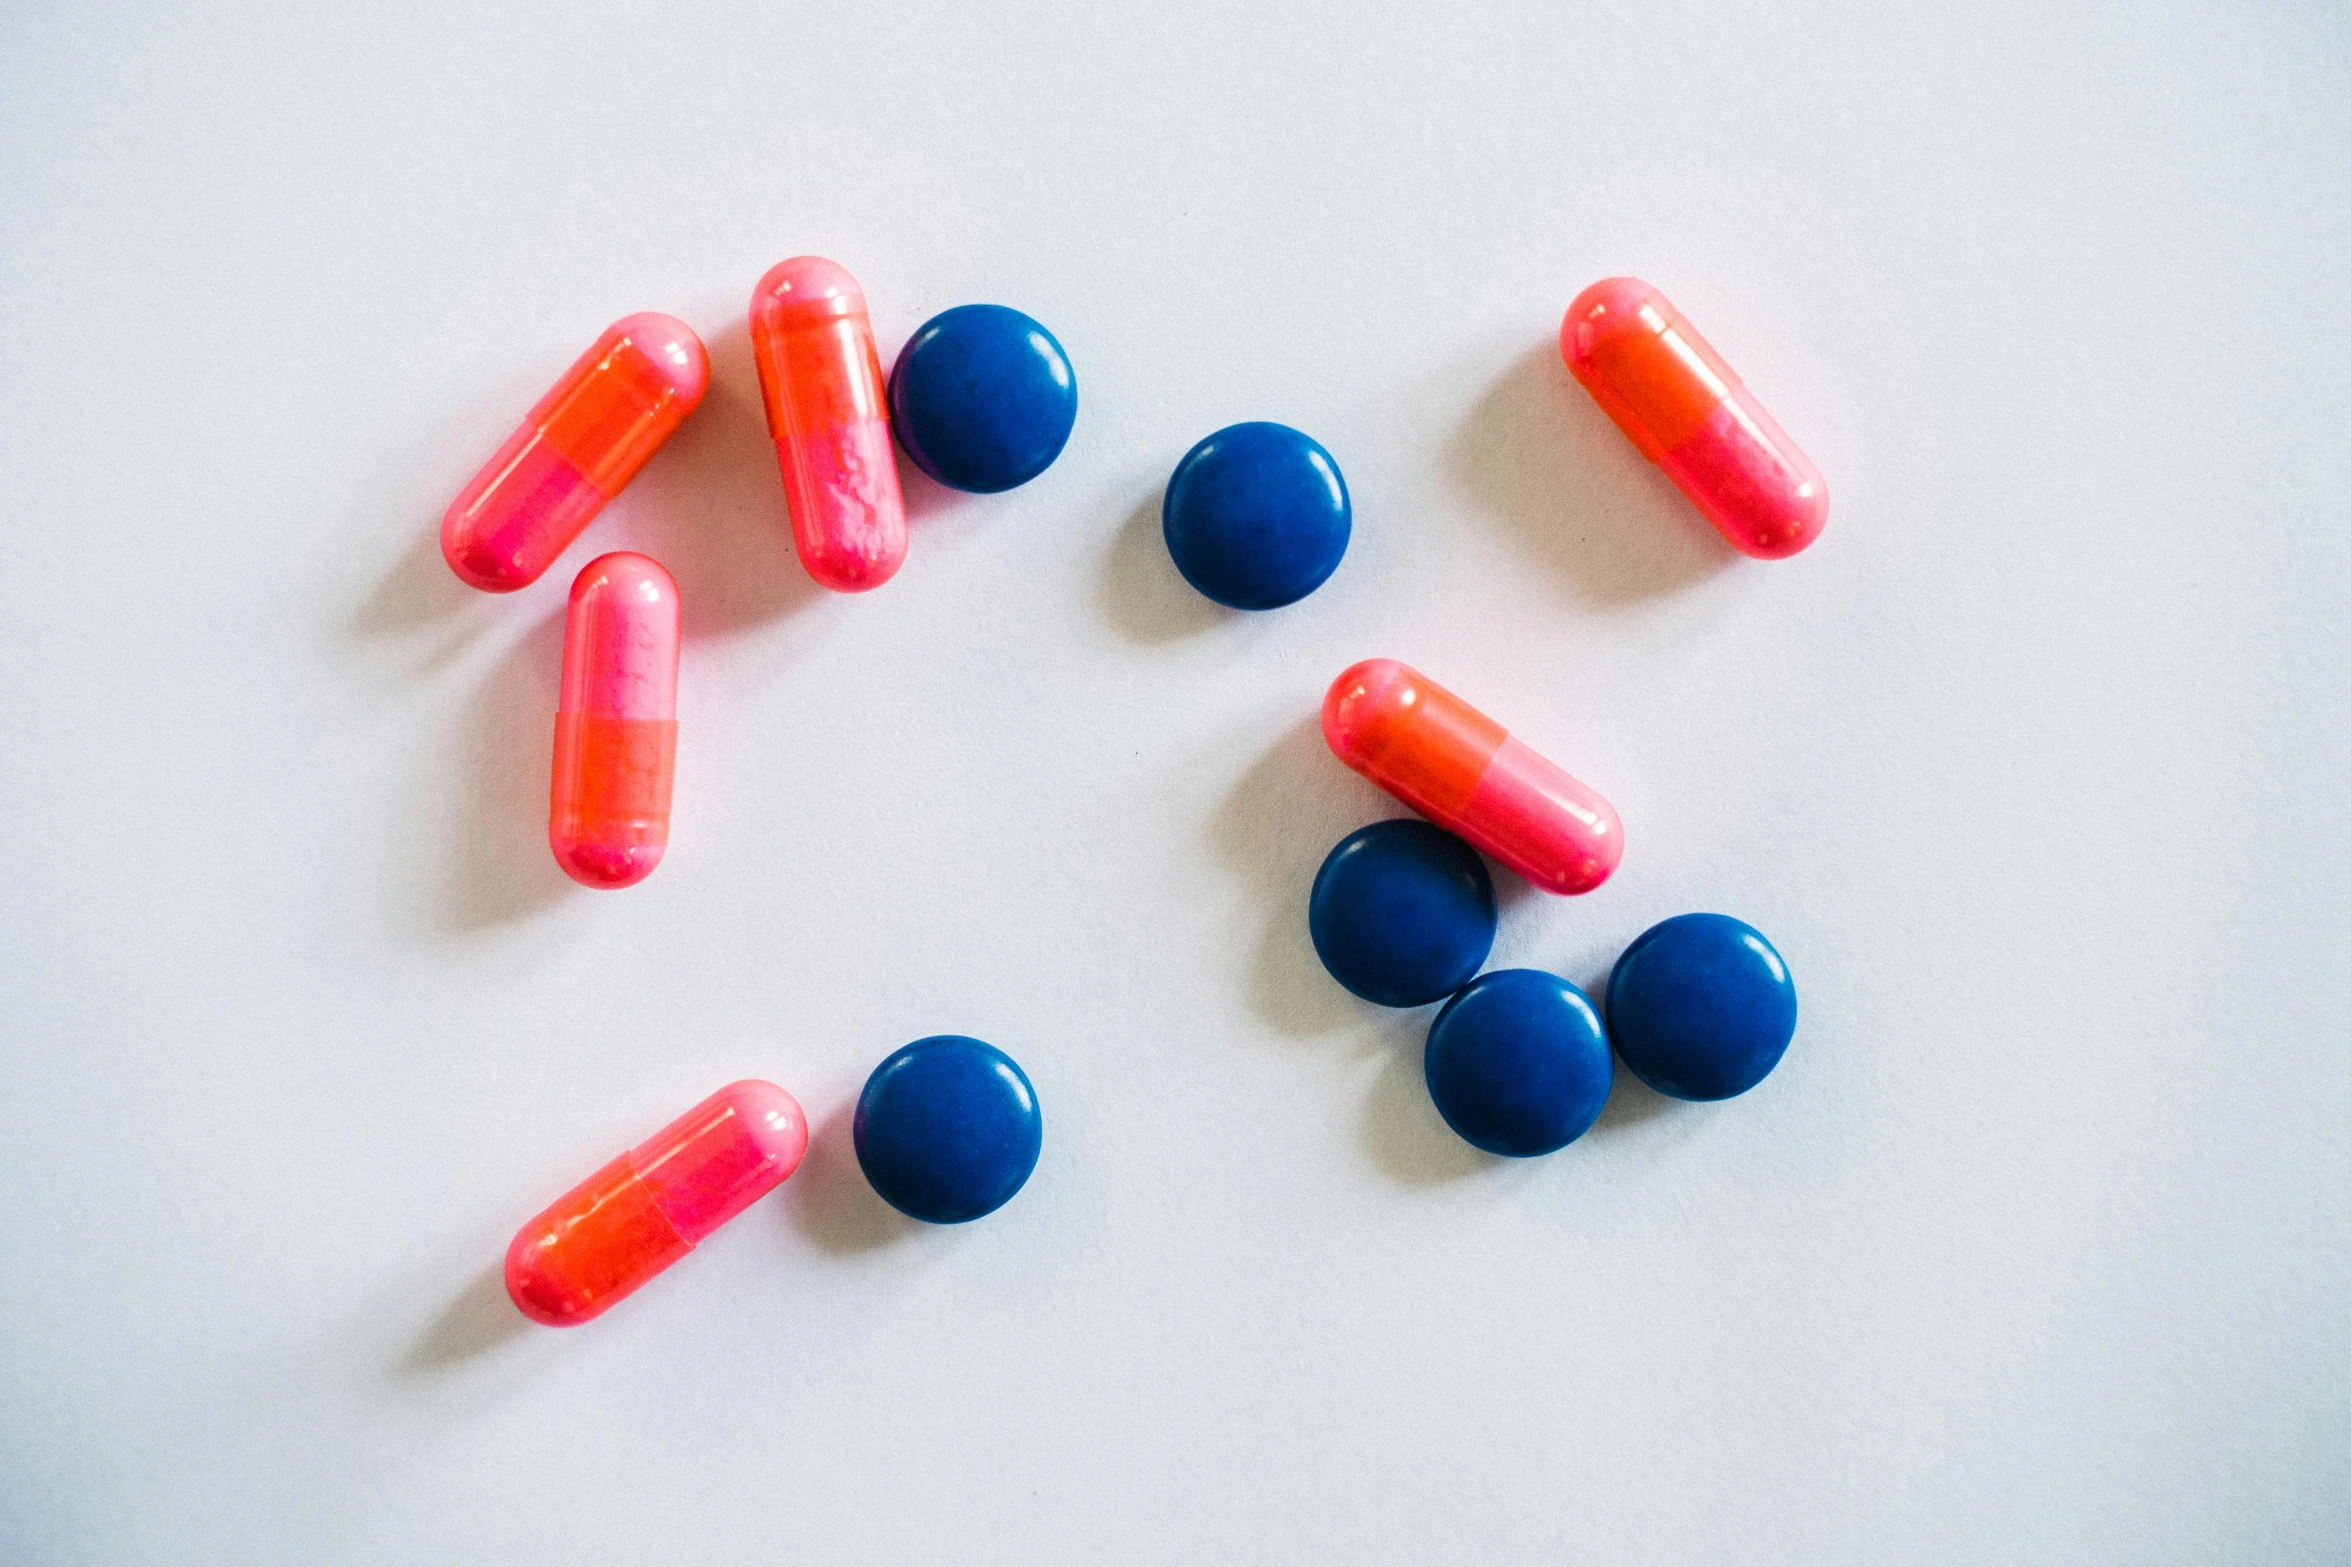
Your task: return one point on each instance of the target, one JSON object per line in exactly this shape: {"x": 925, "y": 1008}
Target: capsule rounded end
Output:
{"x": 604, "y": 867}
{"x": 772, "y": 1120}
{"x": 538, "y": 1289}
{"x": 672, "y": 349}
{"x": 1793, "y": 530}
{"x": 1606, "y": 309}
{"x": 850, "y": 570}
{"x": 806, "y": 285}
{"x": 1599, "y": 849}
{"x": 1359, "y": 707}
{"x": 639, "y": 578}
{"x": 477, "y": 562}
{"x": 1610, "y": 309}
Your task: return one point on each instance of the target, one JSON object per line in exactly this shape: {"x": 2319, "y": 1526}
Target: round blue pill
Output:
{"x": 982, "y": 398}
{"x": 1402, "y": 913}
{"x": 1518, "y": 1063}
{"x": 1701, "y": 1007}
{"x": 1256, "y": 516}
{"x": 947, "y": 1129}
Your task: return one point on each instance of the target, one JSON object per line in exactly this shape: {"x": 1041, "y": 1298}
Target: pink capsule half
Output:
{"x": 616, "y": 732}
{"x": 820, "y": 378}
{"x": 582, "y": 443}
{"x": 1463, "y": 771}
{"x": 1668, "y": 390}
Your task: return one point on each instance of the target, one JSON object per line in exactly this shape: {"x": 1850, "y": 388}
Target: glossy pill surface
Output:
{"x": 1463, "y": 771}
{"x": 605, "y": 1237}
{"x": 947, "y": 1129}
{"x": 576, "y": 450}
{"x": 1256, "y": 516}
{"x": 1701, "y": 1007}
{"x": 1668, "y": 389}
{"x": 828, "y": 413}
{"x": 616, "y": 732}
{"x": 982, "y": 398}
{"x": 1402, "y": 913}
{"x": 1518, "y": 1063}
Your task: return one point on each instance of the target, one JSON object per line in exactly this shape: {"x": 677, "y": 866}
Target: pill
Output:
{"x": 583, "y": 442}
{"x": 982, "y": 398}
{"x": 1402, "y": 913}
{"x": 828, "y": 415}
{"x": 606, "y": 1236}
{"x": 1668, "y": 389}
{"x": 1461, "y": 770}
{"x": 947, "y": 1129}
{"x": 1517, "y": 1063}
{"x": 1256, "y": 516}
{"x": 616, "y": 732}
{"x": 1701, "y": 1006}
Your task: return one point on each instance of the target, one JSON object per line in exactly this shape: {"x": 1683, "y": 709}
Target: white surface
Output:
{"x": 2036, "y": 1248}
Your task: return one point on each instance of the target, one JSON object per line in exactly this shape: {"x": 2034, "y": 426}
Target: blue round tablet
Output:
{"x": 947, "y": 1129}
{"x": 1518, "y": 1063}
{"x": 1402, "y": 913}
{"x": 1701, "y": 1007}
{"x": 982, "y": 398}
{"x": 1256, "y": 516}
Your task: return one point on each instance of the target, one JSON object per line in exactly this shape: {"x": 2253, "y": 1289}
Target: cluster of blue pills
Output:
{"x": 1519, "y": 1062}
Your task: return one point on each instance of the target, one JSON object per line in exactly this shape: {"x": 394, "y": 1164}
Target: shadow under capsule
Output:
{"x": 478, "y": 1320}
{"x": 710, "y": 507}
{"x": 829, "y": 1200}
{"x": 490, "y": 803}
{"x": 1285, "y": 815}
{"x": 1541, "y": 460}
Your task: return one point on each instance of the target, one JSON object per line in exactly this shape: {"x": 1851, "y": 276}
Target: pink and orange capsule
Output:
{"x": 605, "y": 1237}
{"x": 1463, "y": 771}
{"x": 616, "y": 732}
{"x": 1668, "y": 389}
{"x": 821, "y": 380}
{"x": 578, "y": 448}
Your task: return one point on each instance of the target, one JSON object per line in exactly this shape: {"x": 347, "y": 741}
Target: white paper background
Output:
{"x": 2037, "y": 1247}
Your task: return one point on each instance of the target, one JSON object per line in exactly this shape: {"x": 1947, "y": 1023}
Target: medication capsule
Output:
{"x": 582, "y": 442}
{"x": 1668, "y": 389}
{"x": 616, "y": 732}
{"x": 653, "y": 1204}
{"x": 827, "y": 412}
{"x": 1461, "y": 770}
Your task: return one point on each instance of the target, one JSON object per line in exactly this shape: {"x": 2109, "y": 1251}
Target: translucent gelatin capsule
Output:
{"x": 1668, "y": 389}
{"x": 653, "y": 1204}
{"x": 827, "y": 412}
{"x": 616, "y": 732}
{"x": 1461, "y": 770}
{"x": 583, "y": 442}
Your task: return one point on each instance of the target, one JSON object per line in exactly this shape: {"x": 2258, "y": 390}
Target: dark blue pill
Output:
{"x": 1402, "y": 913}
{"x": 1518, "y": 1063}
{"x": 947, "y": 1129}
{"x": 1256, "y": 516}
{"x": 982, "y": 398}
{"x": 1701, "y": 1007}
